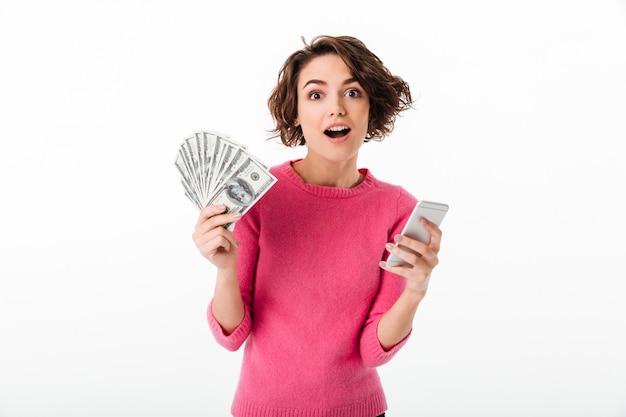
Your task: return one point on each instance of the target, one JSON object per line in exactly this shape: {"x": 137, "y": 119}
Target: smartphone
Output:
{"x": 432, "y": 211}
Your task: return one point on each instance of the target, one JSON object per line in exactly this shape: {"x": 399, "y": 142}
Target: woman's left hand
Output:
{"x": 421, "y": 263}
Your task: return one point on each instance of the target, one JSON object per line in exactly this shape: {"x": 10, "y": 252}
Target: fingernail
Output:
{"x": 237, "y": 215}
{"x": 389, "y": 246}
{"x": 382, "y": 264}
{"x": 220, "y": 207}
{"x": 398, "y": 238}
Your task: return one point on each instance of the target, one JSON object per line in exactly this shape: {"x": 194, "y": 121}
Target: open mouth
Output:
{"x": 337, "y": 132}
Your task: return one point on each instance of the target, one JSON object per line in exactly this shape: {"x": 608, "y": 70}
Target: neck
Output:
{"x": 329, "y": 174}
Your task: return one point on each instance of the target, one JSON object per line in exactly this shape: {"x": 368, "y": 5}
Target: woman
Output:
{"x": 302, "y": 279}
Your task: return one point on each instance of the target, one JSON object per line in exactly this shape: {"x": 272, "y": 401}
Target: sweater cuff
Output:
{"x": 373, "y": 353}
{"x": 232, "y": 341}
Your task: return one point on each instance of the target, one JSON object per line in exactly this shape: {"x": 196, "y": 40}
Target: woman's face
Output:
{"x": 333, "y": 109}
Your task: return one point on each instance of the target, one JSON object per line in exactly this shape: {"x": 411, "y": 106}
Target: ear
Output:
{"x": 296, "y": 123}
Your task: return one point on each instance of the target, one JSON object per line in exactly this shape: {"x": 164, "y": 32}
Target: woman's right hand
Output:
{"x": 215, "y": 242}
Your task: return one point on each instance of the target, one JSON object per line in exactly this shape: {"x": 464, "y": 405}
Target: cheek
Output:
{"x": 363, "y": 111}
{"x": 307, "y": 116}
{"x": 306, "y": 129}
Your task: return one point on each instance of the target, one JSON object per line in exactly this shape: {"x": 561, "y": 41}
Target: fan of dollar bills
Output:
{"x": 216, "y": 169}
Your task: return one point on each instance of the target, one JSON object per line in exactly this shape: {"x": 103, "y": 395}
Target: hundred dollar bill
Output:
{"x": 188, "y": 176}
{"x": 216, "y": 169}
{"x": 191, "y": 193}
{"x": 204, "y": 161}
{"x": 234, "y": 156}
{"x": 216, "y": 158}
{"x": 244, "y": 187}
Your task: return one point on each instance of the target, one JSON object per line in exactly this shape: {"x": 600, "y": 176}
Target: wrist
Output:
{"x": 414, "y": 291}
{"x": 226, "y": 275}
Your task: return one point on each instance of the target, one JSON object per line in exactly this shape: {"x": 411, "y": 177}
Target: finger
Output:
{"x": 418, "y": 254}
{"x": 407, "y": 255}
{"x": 435, "y": 234}
{"x": 206, "y": 224}
{"x": 217, "y": 244}
{"x": 403, "y": 271}
{"x": 413, "y": 245}
{"x": 417, "y": 283}
{"x": 207, "y": 232}
{"x": 417, "y": 275}
{"x": 395, "y": 269}
{"x": 210, "y": 211}
{"x": 213, "y": 243}
{"x": 429, "y": 258}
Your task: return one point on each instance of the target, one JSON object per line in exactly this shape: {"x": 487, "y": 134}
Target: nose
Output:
{"x": 336, "y": 107}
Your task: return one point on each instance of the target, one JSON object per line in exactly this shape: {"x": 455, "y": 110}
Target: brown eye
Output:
{"x": 354, "y": 93}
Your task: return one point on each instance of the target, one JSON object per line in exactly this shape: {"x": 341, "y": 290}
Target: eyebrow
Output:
{"x": 314, "y": 81}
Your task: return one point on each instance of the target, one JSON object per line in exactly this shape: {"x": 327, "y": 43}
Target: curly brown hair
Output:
{"x": 388, "y": 94}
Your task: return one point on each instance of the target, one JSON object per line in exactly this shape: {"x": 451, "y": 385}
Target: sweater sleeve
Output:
{"x": 391, "y": 286}
{"x": 247, "y": 233}
{"x": 234, "y": 340}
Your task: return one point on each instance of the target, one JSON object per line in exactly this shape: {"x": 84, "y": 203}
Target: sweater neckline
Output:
{"x": 287, "y": 170}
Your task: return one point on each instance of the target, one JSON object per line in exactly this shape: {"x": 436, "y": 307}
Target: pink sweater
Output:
{"x": 314, "y": 294}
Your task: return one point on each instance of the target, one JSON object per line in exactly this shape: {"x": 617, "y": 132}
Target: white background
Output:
{"x": 519, "y": 126}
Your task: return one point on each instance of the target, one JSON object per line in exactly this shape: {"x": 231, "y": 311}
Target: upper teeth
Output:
{"x": 338, "y": 128}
